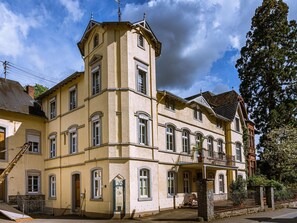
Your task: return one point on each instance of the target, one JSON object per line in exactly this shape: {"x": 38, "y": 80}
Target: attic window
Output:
{"x": 95, "y": 41}
{"x": 169, "y": 104}
{"x": 140, "y": 41}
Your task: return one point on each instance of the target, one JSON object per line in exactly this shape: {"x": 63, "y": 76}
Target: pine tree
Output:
{"x": 268, "y": 67}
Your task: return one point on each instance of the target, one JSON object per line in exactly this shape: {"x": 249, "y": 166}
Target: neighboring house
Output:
{"x": 114, "y": 144}
{"x": 21, "y": 120}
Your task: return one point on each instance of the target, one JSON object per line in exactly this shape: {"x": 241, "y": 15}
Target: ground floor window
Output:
{"x": 144, "y": 183}
{"x": 52, "y": 183}
{"x": 33, "y": 182}
{"x": 97, "y": 184}
{"x": 187, "y": 182}
{"x": 171, "y": 182}
{"x": 221, "y": 183}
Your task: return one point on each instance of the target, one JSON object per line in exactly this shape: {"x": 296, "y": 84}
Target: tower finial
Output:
{"x": 144, "y": 16}
{"x": 92, "y": 17}
{"x": 119, "y": 10}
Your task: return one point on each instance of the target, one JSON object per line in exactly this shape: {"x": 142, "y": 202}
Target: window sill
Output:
{"x": 96, "y": 199}
{"x": 171, "y": 195}
{"x": 168, "y": 109}
{"x": 141, "y": 47}
{"x": 34, "y": 153}
{"x": 52, "y": 198}
{"x": 145, "y": 199}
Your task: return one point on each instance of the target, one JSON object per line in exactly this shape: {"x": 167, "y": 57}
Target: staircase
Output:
{"x": 11, "y": 165}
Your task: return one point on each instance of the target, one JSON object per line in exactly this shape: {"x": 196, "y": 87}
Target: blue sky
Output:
{"x": 201, "y": 38}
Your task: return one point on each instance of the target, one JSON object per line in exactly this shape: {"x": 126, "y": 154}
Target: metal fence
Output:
{"x": 36, "y": 206}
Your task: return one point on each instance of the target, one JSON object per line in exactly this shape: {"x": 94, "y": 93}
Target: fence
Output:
{"x": 35, "y": 206}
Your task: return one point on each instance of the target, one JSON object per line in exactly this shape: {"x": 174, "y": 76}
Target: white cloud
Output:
{"x": 73, "y": 8}
{"x": 14, "y": 30}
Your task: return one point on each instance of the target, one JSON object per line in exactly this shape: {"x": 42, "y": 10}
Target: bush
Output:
{"x": 257, "y": 180}
{"x": 238, "y": 191}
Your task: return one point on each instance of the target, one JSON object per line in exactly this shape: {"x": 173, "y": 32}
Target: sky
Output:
{"x": 201, "y": 39}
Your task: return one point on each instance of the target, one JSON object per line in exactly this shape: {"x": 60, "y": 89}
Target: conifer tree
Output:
{"x": 268, "y": 67}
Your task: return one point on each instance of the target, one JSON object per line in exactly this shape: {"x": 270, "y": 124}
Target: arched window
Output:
{"x": 143, "y": 129}
{"x": 96, "y": 129}
{"x": 238, "y": 152}
{"x": 170, "y": 138}
{"x": 96, "y": 41}
{"x": 210, "y": 147}
{"x": 186, "y": 141}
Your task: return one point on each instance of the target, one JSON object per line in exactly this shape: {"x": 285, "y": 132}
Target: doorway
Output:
{"x": 75, "y": 192}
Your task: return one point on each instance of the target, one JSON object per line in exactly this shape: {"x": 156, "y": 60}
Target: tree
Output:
{"x": 39, "y": 89}
{"x": 268, "y": 68}
{"x": 280, "y": 161}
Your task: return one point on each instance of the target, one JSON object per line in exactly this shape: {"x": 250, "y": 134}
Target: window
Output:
{"x": 53, "y": 108}
{"x": 72, "y": 98}
{"x": 219, "y": 124}
{"x": 186, "y": 141}
{"x": 198, "y": 114}
{"x": 170, "y": 138}
{"x": 221, "y": 183}
{"x": 220, "y": 149}
{"x": 140, "y": 41}
{"x": 73, "y": 140}
{"x": 96, "y": 41}
{"x": 237, "y": 125}
{"x": 34, "y": 137}
{"x": 52, "y": 186}
{"x": 143, "y": 129}
{"x": 53, "y": 146}
{"x": 141, "y": 80}
{"x": 199, "y": 141}
{"x": 238, "y": 151}
{"x": 170, "y": 104}
{"x": 96, "y": 80}
{"x": 210, "y": 147}
{"x": 171, "y": 182}
{"x": 96, "y": 184}
{"x": 33, "y": 182}
{"x": 96, "y": 130}
{"x": 187, "y": 182}
{"x": 144, "y": 183}
{"x": 2, "y": 144}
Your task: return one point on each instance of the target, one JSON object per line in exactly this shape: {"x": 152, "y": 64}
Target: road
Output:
{"x": 286, "y": 215}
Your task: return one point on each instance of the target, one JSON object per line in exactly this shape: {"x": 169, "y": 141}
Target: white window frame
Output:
{"x": 73, "y": 141}
{"x": 52, "y": 186}
{"x": 170, "y": 138}
{"x": 220, "y": 149}
{"x": 142, "y": 80}
{"x": 171, "y": 183}
{"x": 53, "y": 108}
{"x": 140, "y": 41}
{"x": 34, "y": 137}
{"x": 238, "y": 149}
{"x": 96, "y": 80}
{"x": 96, "y": 130}
{"x": 96, "y": 183}
{"x": 187, "y": 182}
{"x": 210, "y": 147}
{"x": 53, "y": 146}
{"x": 237, "y": 124}
{"x": 33, "y": 182}
{"x": 198, "y": 114}
{"x": 221, "y": 183}
{"x": 72, "y": 98}
{"x": 186, "y": 141}
{"x": 144, "y": 183}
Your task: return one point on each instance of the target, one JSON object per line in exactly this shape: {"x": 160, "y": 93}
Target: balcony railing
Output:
{"x": 215, "y": 158}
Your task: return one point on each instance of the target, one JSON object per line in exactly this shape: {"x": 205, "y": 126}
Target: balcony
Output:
{"x": 213, "y": 158}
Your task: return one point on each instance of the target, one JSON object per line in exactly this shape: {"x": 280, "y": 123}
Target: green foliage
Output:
{"x": 257, "y": 180}
{"x": 279, "y": 160}
{"x": 267, "y": 69}
{"x": 238, "y": 191}
{"x": 39, "y": 89}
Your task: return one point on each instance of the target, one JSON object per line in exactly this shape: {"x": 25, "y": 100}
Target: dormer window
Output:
{"x": 169, "y": 104}
{"x": 198, "y": 114}
{"x": 140, "y": 41}
{"x": 96, "y": 41}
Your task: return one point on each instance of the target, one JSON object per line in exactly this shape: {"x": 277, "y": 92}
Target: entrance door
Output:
{"x": 2, "y": 189}
{"x": 76, "y": 191}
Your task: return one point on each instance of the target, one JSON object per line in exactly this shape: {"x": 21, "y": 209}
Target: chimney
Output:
{"x": 30, "y": 91}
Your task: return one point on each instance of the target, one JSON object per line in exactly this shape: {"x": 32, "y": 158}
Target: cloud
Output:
{"x": 14, "y": 30}
{"x": 74, "y": 10}
{"x": 194, "y": 34}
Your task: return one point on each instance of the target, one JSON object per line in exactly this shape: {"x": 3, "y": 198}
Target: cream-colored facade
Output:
{"x": 114, "y": 144}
